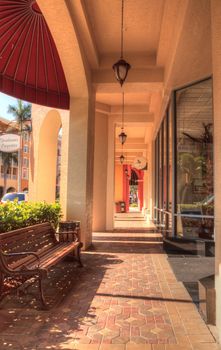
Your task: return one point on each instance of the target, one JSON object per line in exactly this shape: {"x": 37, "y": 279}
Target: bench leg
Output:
{"x": 1, "y": 284}
{"x": 42, "y": 298}
{"x": 78, "y": 255}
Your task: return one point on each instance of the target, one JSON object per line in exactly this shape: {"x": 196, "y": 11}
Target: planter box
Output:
{"x": 207, "y": 297}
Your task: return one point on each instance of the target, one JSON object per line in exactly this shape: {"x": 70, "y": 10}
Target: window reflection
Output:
{"x": 194, "y": 117}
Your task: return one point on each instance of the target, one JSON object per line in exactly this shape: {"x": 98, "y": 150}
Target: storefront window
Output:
{"x": 194, "y": 161}
{"x": 160, "y": 168}
{"x": 165, "y": 163}
{"x": 170, "y": 157}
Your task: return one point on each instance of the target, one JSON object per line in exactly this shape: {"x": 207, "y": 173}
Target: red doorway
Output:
{"x": 132, "y": 186}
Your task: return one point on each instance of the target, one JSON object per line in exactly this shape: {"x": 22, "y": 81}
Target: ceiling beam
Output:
{"x": 132, "y": 139}
{"x": 106, "y": 76}
{"x": 136, "y": 119}
{"x": 172, "y": 23}
{"x": 81, "y": 19}
{"x": 138, "y": 109}
{"x": 68, "y": 44}
{"x": 131, "y": 144}
{"x": 132, "y": 147}
{"x": 102, "y": 108}
{"x": 136, "y": 60}
{"x": 131, "y": 154}
{"x": 115, "y": 110}
{"x": 132, "y": 87}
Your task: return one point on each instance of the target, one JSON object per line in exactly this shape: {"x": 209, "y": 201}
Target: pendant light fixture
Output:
{"x": 122, "y": 158}
{"x": 121, "y": 67}
{"x": 122, "y": 136}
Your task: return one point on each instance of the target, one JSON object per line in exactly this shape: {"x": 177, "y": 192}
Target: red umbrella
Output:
{"x": 30, "y": 67}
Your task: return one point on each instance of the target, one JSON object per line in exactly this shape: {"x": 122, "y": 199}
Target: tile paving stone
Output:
{"x": 118, "y": 301}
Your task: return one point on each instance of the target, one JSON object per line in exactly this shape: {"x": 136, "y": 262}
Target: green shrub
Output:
{"x": 14, "y": 215}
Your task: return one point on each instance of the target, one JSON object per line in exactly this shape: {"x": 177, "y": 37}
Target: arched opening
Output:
{"x": 132, "y": 188}
{"x": 133, "y": 191}
{"x": 44, "y": 168}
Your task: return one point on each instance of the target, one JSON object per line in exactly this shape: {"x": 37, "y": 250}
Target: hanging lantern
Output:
{"x": 122, "y": 137}
{"x": 122, "y": 158}
{"x": 121, "y": 69}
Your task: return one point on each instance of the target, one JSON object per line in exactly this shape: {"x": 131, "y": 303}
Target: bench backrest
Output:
{"x": 28, "y": 239}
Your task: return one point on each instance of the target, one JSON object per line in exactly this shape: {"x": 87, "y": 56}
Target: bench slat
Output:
{"x": 55, "y": 255}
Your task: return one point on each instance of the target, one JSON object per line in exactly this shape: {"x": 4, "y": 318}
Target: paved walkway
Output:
{"x": 118, "y": 301}
{"x": 132, "y": 220}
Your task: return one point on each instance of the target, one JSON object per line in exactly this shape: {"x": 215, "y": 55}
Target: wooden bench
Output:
{"x": 31, "y": 251}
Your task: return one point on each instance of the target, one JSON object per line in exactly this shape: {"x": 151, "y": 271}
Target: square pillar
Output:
{"x": 77, "y": 165}
{"x": 110, "y": 176}
{"x": 150, "y": 179}
{"x": 100, "y": 172}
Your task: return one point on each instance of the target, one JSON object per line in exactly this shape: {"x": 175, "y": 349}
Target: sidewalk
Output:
{"x": 118, "y": 301}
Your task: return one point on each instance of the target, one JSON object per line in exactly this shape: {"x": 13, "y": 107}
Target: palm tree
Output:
{"x": 7, "y": 159}
{"x": 22, "y": 114}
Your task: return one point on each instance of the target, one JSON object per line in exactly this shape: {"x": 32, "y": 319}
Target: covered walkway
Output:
{"x": 129, "y": 300}
{"x": 127, "y": 296}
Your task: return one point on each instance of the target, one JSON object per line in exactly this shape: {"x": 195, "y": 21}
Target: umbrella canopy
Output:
{"x": 30, "y": 67}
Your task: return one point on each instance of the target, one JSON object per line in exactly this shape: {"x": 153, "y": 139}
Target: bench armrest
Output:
{"x": 24, "y": 253}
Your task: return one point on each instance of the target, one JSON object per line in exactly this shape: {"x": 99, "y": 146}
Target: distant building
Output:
{"x": 12, "y": 173}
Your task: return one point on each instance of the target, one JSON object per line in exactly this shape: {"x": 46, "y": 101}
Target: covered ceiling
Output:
{"x": 30, "y": 67}
{"x": 157, "y": 36}
{"x": 98, "y": 25}
{"x": 141, "y": 25}
{"x": 138, "y": 136}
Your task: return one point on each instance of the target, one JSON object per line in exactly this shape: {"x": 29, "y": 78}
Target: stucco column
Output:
{"x": 77, "y": 165}
{"x": 126, "y": 186}
{"x": 100, "y": 172}
{"x": 110, "y": 176}
{"x": 216, "y": 59}
{"x": 146, "y": 189}
{"x": 150, "y": 179}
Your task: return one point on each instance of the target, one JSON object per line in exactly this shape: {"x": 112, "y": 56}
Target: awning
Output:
{"x": 30, "y": 67}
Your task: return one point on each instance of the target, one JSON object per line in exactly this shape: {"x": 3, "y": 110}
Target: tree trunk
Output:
{"x": 5, "y": 179}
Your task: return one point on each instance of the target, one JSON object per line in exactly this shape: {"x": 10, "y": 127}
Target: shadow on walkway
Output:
{"x": 70, "y": 289}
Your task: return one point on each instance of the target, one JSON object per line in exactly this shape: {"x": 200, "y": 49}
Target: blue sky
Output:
{"x": 6, "y": 100}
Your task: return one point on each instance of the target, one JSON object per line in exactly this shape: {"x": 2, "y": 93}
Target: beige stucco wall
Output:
{"x": 118, "y": 182}
{"x": 189, "y": 58}
{"x": 100, "y": 172}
